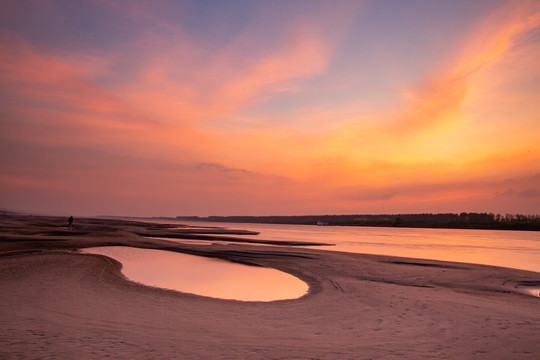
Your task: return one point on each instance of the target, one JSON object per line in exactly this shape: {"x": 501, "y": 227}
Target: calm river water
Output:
{"x": 514, "y": 249}
{"x": 223, "y": 279}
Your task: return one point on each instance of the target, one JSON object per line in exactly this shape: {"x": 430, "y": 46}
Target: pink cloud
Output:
{"x": 436, "y": 103}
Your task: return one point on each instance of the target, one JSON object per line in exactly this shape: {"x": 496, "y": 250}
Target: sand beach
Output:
{"x": 57, "y": 303}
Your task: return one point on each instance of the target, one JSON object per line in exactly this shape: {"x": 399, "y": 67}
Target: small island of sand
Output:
{"x": 57, "y": 303}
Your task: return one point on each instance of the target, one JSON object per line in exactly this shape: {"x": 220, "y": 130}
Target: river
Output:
{"x": 513, "y": 249}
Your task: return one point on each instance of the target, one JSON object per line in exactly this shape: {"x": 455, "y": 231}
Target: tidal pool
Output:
{"x": 203, "y": 276}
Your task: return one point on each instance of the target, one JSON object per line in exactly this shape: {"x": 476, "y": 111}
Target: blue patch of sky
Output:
{"x": 67, "y": 25}
{"x": 88, "y": 25}
{"x": 390, "y": 46}
{"x": 215, "y": 23}
{"x": 403, "y": 41}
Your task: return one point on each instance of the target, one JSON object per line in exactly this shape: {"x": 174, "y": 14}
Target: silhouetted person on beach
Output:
{"x": 70, "y": 222}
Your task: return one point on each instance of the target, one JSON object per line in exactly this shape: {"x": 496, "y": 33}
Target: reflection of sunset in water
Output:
{"x": 513, "y": 249}
{"x": 204, "y": 276}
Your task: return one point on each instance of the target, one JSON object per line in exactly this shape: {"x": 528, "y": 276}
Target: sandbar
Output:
{"x": 58, "y": 303}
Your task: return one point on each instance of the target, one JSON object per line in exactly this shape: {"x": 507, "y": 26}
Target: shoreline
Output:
{"x": 466, "y": 221}
{"x": 58, "y": 303}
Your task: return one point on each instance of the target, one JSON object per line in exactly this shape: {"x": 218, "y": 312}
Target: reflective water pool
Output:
{"x": 203, "y": 276}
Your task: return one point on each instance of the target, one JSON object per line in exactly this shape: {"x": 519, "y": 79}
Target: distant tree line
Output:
{"x": 463, "y": 220}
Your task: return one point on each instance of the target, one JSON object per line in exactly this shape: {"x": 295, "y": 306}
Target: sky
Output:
{"x": 176, "y": 108}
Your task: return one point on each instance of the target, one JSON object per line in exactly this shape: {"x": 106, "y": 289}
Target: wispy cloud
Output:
{"x": 529, "y": 193}
{"x": 437, "y": 101}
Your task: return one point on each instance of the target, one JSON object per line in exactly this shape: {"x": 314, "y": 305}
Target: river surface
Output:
{"x": 513, "y": 249}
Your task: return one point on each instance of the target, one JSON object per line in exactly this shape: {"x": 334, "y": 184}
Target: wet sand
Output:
{"x": 57, "y": 303}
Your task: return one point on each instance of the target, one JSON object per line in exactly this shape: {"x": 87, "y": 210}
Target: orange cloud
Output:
{"x": 429, "y": 134}
{"x": 305, "y": 54}
{"x": 60, "y": 99}
{"x": 438, "y": 101}
{"x": 187, "y": 84}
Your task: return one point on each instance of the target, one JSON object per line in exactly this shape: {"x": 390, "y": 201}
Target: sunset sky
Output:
{"x": 166, "y": 108}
